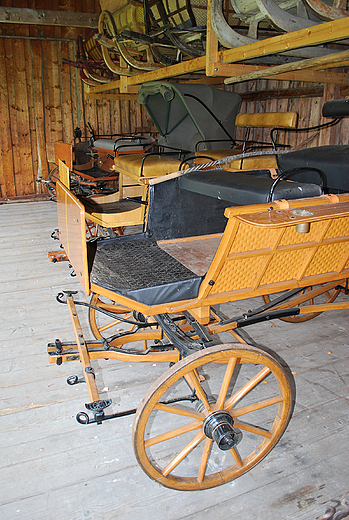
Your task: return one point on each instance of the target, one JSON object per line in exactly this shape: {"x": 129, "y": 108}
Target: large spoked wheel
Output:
{"x": 106, "y": 326}
{"x": 325, "y": 296}
{"x": 239, "y": 404}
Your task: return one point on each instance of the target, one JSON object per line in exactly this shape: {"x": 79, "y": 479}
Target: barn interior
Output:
{"x": 74, "y": 94}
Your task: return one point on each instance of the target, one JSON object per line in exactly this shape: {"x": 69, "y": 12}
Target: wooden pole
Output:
{"x": 287, "y": 67}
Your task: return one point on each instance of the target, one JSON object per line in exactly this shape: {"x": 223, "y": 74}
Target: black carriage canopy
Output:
{"x": 185, "y": 114}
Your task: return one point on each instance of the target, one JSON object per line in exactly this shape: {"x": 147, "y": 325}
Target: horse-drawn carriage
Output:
{"x": 209, "y": 237}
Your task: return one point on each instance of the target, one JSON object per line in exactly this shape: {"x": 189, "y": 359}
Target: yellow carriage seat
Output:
{"x": 136, "y": 170}
{"x": 272, "y": 120}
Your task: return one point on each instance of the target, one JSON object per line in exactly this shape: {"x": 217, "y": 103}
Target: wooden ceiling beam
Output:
{"x": 45, "y": 17}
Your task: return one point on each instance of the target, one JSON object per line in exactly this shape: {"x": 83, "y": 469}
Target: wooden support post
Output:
{"x": 211, "y": 45}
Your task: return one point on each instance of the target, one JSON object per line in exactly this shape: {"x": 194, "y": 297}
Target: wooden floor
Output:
{"x": 54, "y": 468}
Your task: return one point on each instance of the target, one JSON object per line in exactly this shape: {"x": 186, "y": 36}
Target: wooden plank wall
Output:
{"x": 41, "y": 100}
{"x": 309, "y": 111}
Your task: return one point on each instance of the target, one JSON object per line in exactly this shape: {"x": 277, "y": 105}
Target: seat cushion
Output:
{"x": 214, "y": 154}
{"x": 332, "y": 160}
{"x": 126, "y": 145}
{"x": 242, "y": 188}
{"x": 249, "y": 163}
{"x": 135, "y": 266}
{"x": 153, "y": 166}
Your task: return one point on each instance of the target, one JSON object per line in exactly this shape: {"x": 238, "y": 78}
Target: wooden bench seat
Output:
{"x": 107, "y": 210}
{"x": 282, "y": 120}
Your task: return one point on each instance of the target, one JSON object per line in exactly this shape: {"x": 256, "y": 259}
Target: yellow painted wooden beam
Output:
{"x": 330, "y": 59}
{"x": 240, "y": 70}
{"x": 111, "y": 97}
{"x": 315, "y": 35}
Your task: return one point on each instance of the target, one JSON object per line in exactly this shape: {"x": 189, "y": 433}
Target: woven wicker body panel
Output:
{"x": 285, "y": 265}
{"x": 338, "y": 226}
{"x": 328, "y": 258}
{"x": 239, "y": 274}
{"x": 257, "y": 256}
{"x": 290, "y": 236}
{"x": 249, "y": 238}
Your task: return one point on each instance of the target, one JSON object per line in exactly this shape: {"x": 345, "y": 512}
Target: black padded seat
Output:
{"x": 332, "y": 160}
{"x": 135, "y": 266}
{"x": 95, "y": 172}
{"x": 247, "y": 187}
{"x": 109, "y": 208}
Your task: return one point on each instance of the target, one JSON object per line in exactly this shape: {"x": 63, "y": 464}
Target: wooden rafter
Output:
{"x": 46, "y": 17}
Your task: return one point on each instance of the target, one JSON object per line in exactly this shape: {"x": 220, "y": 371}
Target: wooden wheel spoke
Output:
{"x": 204, "y": 459}
{"x": 183, "y": 453}
{"x": 236, "y": 457}
{"x": 237, "y": 412}
{"x": 194, "y": 425}
{"x": 253, "y": 429}
{"x": 247, "y": 388}
{"x": 109, "y": 325}
{"x": 226, "y": 381}
{"x": 178, "y": 411}
{"x": 194, "y": 383}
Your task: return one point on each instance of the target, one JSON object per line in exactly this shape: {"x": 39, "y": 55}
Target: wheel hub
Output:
{"x": 219, "y": 426}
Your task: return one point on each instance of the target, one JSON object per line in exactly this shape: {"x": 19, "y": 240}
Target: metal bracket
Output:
{"x": 180, "y": 340}
{"x": 344, "y": 289}
{"x": 98, "y": 408}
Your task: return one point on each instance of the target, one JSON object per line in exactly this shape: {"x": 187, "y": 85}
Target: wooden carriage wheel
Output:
{"x": 326, "y": 296}
{"x": 172, "y": 440}
{"x": 106, "y": 327}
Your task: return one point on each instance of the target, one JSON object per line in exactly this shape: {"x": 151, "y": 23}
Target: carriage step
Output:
{"x": 98, "y": 406}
